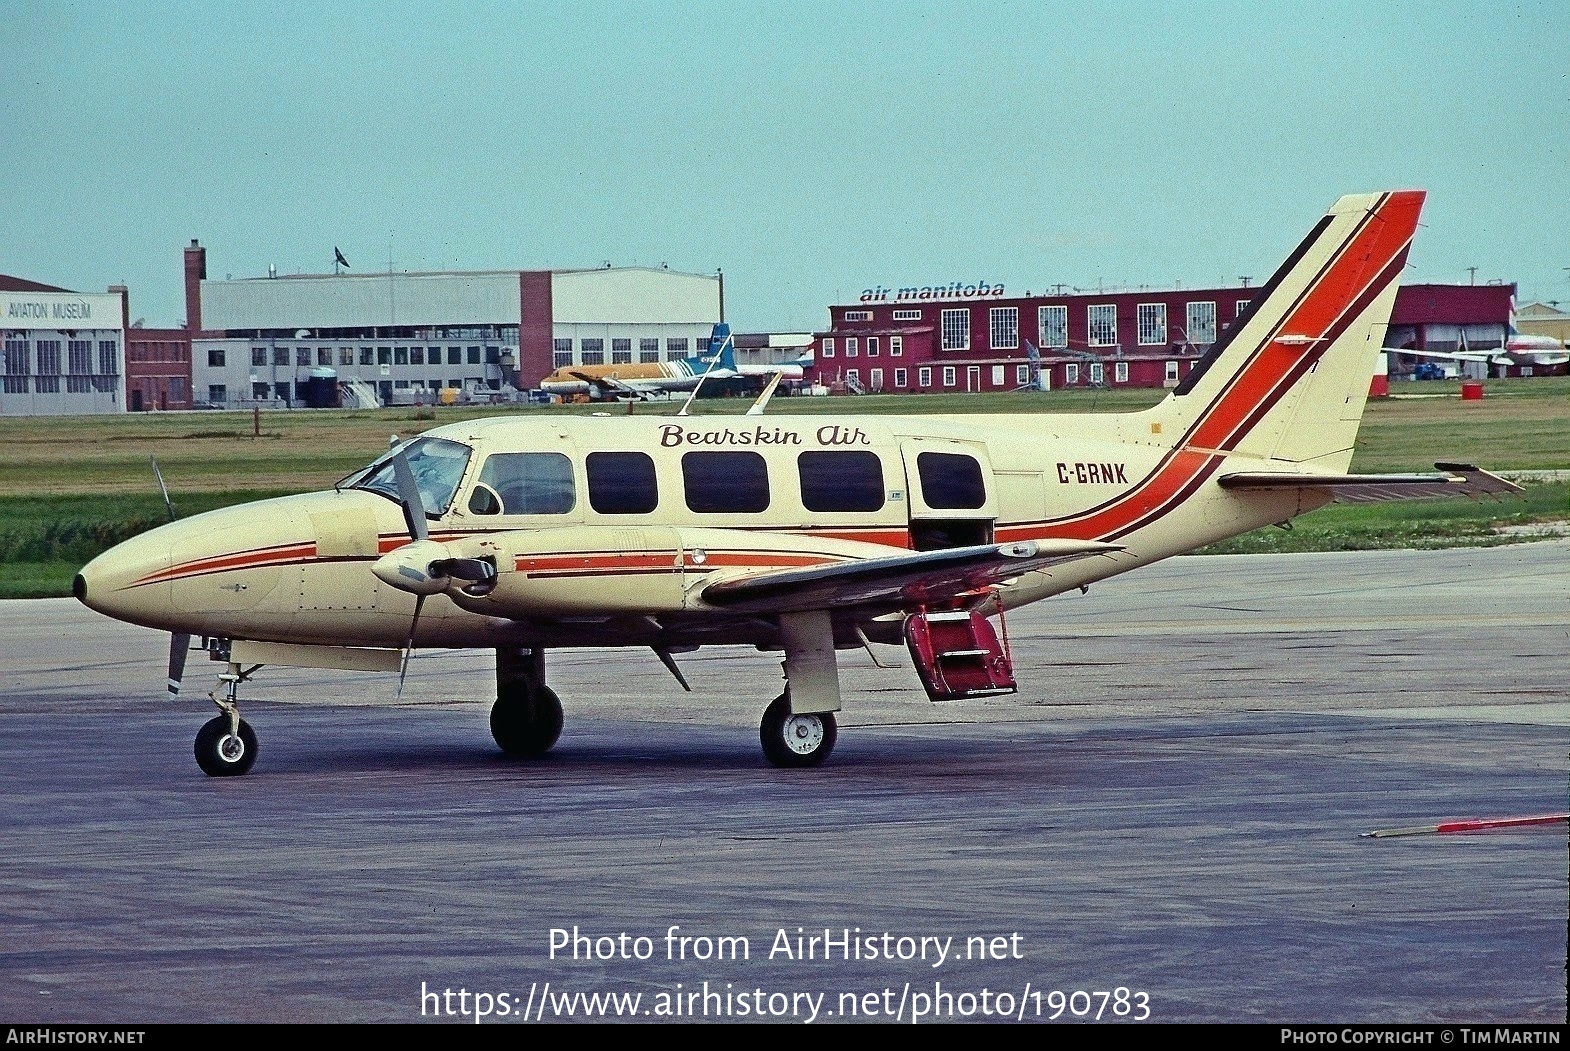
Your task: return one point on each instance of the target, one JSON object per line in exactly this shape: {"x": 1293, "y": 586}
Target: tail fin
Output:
{"x": 721, "y": 347}
{"x": 1289, "y": 380}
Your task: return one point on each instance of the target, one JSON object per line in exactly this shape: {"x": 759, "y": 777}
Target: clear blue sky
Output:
{"x": 810, "y": 150}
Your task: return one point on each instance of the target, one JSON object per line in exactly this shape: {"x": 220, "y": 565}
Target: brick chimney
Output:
{"x": 195, "y": 274}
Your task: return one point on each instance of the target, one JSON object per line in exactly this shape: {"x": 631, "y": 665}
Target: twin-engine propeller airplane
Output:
{"x": 648, "y": 379}
{"x": 799, "y": 534}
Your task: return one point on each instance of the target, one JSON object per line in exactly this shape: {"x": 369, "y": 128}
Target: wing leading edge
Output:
{"x": 898, "y": 581}
{"x": 1450, "y": 479}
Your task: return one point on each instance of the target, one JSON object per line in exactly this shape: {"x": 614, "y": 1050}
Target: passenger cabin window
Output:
{"x": 524, "y": 484}
{"x": 841, "y": 481}
{"x": 622, "y": 483}
{"x": 951, "y": 480}
{"x": 718, "y": 483}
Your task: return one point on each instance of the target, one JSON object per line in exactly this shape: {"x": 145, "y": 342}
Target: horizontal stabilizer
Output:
{"x": 1452, "y": 479}
{"x": 900, "y": 581}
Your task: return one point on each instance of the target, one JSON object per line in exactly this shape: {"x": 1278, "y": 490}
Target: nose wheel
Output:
{"x": 796, "y": 740}
{"x": 225, "y": 746}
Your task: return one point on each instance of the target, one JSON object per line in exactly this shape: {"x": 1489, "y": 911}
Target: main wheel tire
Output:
{"x": 223, "y": 754}
{"x": 527, "y": 724}
{"x": 794, "y": 741}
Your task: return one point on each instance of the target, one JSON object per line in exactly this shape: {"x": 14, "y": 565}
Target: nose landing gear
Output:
{"x": 226, "y": 744}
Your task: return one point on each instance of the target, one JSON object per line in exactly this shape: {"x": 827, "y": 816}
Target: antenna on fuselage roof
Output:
{"x": 763, "y": 398}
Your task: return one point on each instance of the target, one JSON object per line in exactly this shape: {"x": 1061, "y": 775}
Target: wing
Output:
{"x": 900, "y": 581}
{"x": 609, "y": 385}
{"x": 1452, "y": 479}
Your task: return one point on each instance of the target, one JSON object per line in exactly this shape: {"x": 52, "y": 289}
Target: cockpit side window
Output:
{"x": 524, "y": 484}
{"x": 437, "y": 465}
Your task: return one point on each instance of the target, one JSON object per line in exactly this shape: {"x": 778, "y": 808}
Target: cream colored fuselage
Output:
{"x": 298, "y": 569}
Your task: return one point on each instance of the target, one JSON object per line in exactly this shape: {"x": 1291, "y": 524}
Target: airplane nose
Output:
{"x": 117, "y": 582}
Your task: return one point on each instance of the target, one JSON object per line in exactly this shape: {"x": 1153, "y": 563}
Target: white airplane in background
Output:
{"x": 798, "y": 534}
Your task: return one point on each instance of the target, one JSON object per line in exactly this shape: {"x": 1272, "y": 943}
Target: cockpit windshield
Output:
{"x": 436, "y": 463}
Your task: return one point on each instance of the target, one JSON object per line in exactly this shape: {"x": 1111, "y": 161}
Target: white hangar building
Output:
{"x": 284, "y": 340}
{"x": 63, "y": 351}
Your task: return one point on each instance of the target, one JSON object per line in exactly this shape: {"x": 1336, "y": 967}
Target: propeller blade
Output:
{"x": 162, "y": 488}
{"x": 408, "y": 648}
{"x": 179, "y": 646}
{"x": 409, "y": 497}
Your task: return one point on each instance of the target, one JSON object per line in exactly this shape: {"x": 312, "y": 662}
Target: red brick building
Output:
{"x": 972, "y": 338}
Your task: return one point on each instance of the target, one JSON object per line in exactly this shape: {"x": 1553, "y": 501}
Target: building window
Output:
{"x": 16, "y": 366}
{"x": 1070, "y": 374}
{"x": 455, "y": 355}
{"x": 384, "y": 355}
{"x": 648, "y": 350}
{"x": 215, "y": 359}
{"x": 108, "y": 365}
{"x": 258, "y": 355}
{"x": 956, "y": 330}
{"x": 948, "y": 375}
{"x": 997, "y": 375}
{"x": 493, "y": 356}
{"x": 593, "y": 351}
{"x": 1202, "y": 323}
{"x": 79, "y": 357}
{"x": 726, "y": 482}
{"x": 417, "y": 355}
{"x": 302, "y": 356}
{"x": 828, "y": 347}
{"x": 875, "y": 379}
{"x": 1052, "y": 326}
{"x": 280, "y": 355}
{"x": 896, "y": 346}
{"x": 1242, "y": 305}
{"x": 400, "y": 355}
{"x": 840, "y": 481}
{"x": 621, "y": 354}
{"x": 1172, "y": 372}
{"x": 1152, "y": 324}
{"x": 561, "y": 354}
{"x": 471, "y": 355}
{"x": 49, "y": 357}
{"x": 1098, "y": 374}
{"x": 324, "y": 355}
{"x": 850, "y": 346}
{"x": 1104, "y": 325}
{"x": 1120, "y": 372}
{"x": 675, "y": 349}
{"x": 1004, "y": 326}
{"x": 367, "y": 356}
{"x": 1021, "y": 375}
{"x": 872, "y": 346}
{"x": 258, "y": 392}
{"x": 924, "y": 376}
{"x": 217, "y": 394}
{"x": 907, "y": 315}
{"x": 853, "y": 378}
{"x": 900, "y": 377}
{"x": 858, "y": 315}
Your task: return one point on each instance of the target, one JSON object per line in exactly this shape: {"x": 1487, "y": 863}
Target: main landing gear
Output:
{"x": 527, "y": 716}
{"x": 791, "y": 740}
{"x": 798, "y": 728}
{"x": 226, "y": 744}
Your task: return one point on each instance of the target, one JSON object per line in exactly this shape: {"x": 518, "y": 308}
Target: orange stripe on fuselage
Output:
{"x": 237, "y": 560}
